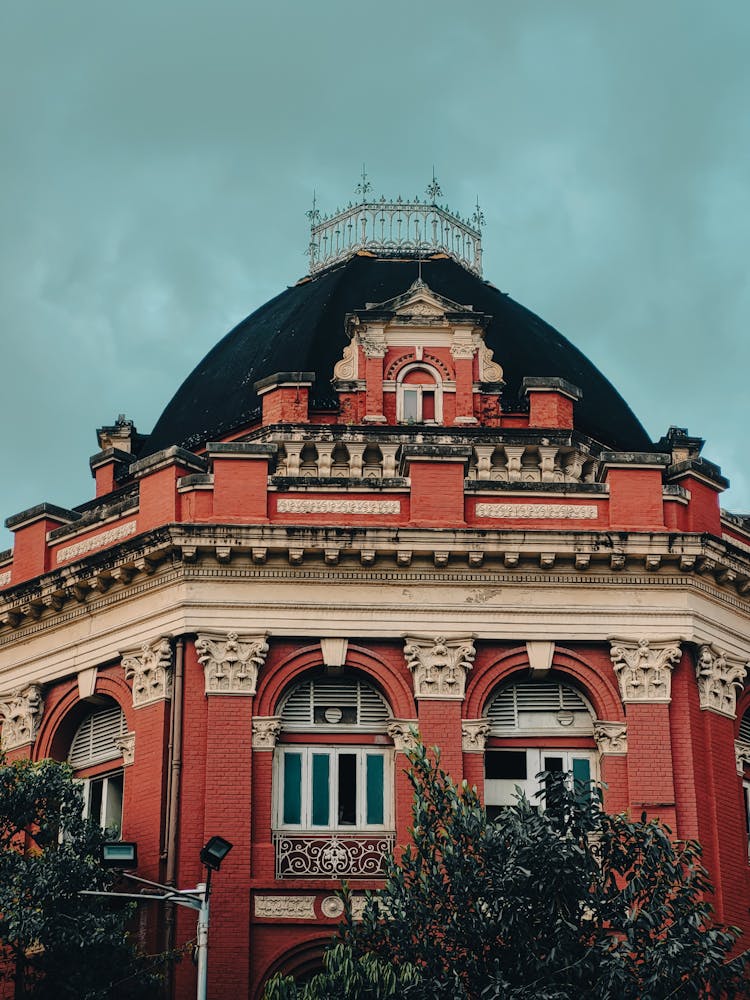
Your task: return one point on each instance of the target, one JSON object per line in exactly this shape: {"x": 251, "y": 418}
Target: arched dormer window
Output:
{"x": 536, "y": 726}
{"x": 324, "y": 780}
{"x": 96, "y": 758}
{"x": 419, "y": 395}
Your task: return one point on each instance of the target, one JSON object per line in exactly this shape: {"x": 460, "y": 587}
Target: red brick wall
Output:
{"x": 240, "y": 489}
{"x": 635, "y": 499}
{"x": 550, "y": 409}
{"x": 437, "y": 493}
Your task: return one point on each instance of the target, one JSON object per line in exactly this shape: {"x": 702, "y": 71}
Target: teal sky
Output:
{"x": 158, "y": 159}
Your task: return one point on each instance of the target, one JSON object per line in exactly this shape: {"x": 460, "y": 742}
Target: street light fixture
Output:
{"x": 124, "y": 854}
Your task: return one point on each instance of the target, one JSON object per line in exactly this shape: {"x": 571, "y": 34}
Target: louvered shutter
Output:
{"x": 95, "y": 738}
{"x": 745, "y": 728}
{"x": 539, "y": 707}
{"x": 362, "y": 703}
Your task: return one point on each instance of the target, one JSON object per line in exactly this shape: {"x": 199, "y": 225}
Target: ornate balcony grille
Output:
{"x": 332, "y": 856}
{"x": 393, "y": 227}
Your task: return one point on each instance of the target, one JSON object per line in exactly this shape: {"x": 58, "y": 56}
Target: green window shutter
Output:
{"x": 375, "y": 799}
{"x": 321, "y": 789}
{"x": 581, "y": 773}
{"x": 292, "y": 788}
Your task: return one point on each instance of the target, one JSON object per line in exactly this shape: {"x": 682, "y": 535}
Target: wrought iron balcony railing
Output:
{"x": 327, "y": 855}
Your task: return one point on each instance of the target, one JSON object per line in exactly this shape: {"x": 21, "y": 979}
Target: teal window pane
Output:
{"x": 581, "y": 774}
{"x": 321, "y": 794}
{"x": 292, "y": 788}
{"x": 375, "y": 804}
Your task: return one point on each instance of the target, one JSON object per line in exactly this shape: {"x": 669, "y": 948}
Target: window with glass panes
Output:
{"x": 95, "y": 743}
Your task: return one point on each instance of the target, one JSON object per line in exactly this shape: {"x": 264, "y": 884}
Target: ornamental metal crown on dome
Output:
{"x": 393, "y": 227}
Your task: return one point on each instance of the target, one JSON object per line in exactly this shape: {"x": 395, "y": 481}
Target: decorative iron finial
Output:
{"x": 313, "y": 214}
{"x": 477, "y": 218}
{"x": 364, "y": 185}
{"x": 433, "y": 189}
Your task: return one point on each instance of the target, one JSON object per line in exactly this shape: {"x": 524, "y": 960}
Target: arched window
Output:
{"x": 96, "y": 758}
{"x": 332, "y": 777}
{"x": 419, "y": 395}
{"x": 744, "y": 738}
{"x": 536, "y": 726}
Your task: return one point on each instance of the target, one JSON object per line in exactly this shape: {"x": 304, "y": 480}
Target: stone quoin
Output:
{"x": 390, "y": 500}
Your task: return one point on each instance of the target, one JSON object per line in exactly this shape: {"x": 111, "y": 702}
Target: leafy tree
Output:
{"x": 565, "y": 903}
{"x": 55, "y": 942}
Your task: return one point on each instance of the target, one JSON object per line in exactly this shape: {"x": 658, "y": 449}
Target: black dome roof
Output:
{"x": 302, "y": 329}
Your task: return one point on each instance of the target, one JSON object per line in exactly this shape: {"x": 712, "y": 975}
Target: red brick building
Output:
{"x": 391, "y": 497}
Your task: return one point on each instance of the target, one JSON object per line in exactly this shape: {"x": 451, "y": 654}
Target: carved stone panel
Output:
{"x": 285, "y": 907}
{"x": 611, "y": 738}
{"x": 151, "y": 672}
{"x": 644, "y": 669}
{"x": 474, "y": 733}
{"x": 719, "y": 679}
{"x": 21, "y": 713}
{"x": 440, "y": 665}
{"x": 230, "y": 662}
{"x": 404, "y": 733}
{"x": 266, "y": 729}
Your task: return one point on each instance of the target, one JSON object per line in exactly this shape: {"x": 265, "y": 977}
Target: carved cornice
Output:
{"x": 474, "y": 733}
{"x": 439, "y": 666}
{"x": 126, "y": 745}
{"x": 21, "y": 714}
{"x": 741, "y": 755}
{"x": 230, "y": 662}
{"x": 151, "y": 672}
{"x": 644, "y": 669}
{"x": 719, "y": 679}
{"x": 266, "y": 729}
{"x": 404, "y": 733}
{"x": 611, "y": 738}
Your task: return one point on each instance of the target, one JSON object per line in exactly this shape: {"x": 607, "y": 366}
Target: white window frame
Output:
{"x": 496, "y": 789}
{"x": 107, "y": 782}
{"x": 334, "y": 752}
{"x": 419, "y": 387}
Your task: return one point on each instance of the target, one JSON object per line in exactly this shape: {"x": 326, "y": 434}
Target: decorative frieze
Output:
{"x": 151, "y": 672}
{"x": 644, "y": 669}
{"x": 230, "y": 662}
{"x": 266, "y": 729}
{"x": 538, "y": 511}
{"x": 611, "y": 738}
{"x": 318, "y": 506}
{"x": 100, "y": 541}
{"x": 126, "y": 745}
{"x": 21, "y": 714}
{"x": 439, "y": 666}
{"x": 741, "y": 755}
{"x": 404, "y": 733}
{"x": 286, "y": 907}
{"x": 719, "y": 679}
{"x": 474, "y": 733}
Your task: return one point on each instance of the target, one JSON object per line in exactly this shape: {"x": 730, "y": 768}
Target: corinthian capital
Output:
{"x": 266, "y": 729}
{"x": 439, "y": 665}
{"x": 719, "y": 679}
{"x": 21, "y": 714}
{"x": 474, "y": 733}
{"x": 644, "y": 669}
{"x": 150, "y": 669}
{"x": 231, "y": 662}
{"x": 611, "y": 738}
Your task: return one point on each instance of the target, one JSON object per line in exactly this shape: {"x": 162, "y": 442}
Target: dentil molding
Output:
{"x": 719, "y": 679}
{"x": 439, "y": 666}
{"x": 21, "y": 714}
{"x": 151, "y": 672}
{"x": 644, "y": 669}
{"x": 474, "y": 733}
{"x": 231, "y": 662}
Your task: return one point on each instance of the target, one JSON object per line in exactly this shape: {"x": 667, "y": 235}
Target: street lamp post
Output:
{"x": 122, "y": 855}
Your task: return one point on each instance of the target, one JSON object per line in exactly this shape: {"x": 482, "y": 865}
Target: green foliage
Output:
{"x": 568, "y": 903}
{"x": 55, "y": 942}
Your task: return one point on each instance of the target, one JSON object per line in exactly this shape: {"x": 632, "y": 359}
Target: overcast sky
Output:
{"x": 158, "y": 157}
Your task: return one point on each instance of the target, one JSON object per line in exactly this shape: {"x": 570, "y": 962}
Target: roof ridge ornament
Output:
{"x": 394, "y": 228}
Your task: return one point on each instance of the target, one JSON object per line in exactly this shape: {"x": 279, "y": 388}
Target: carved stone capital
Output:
{"x": 644, "y": 669}
{"x": 151, "y": 672}
{"x": 463, "y": 347}
{"x": 439, "y": 665}
{"x": 230, "y": 662}
{"x": 266, "y": 729}
{"x": 126, "y": 746}
{"x": 611, "y": 738}
{"x": 21, "y": 712}
{"x": 373, "y": 347}
{"x": 404, "y": 734}
{"x": 741, "y": 755}
{"x": 474, "y": 733}
{"x": 719, "y": 679}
